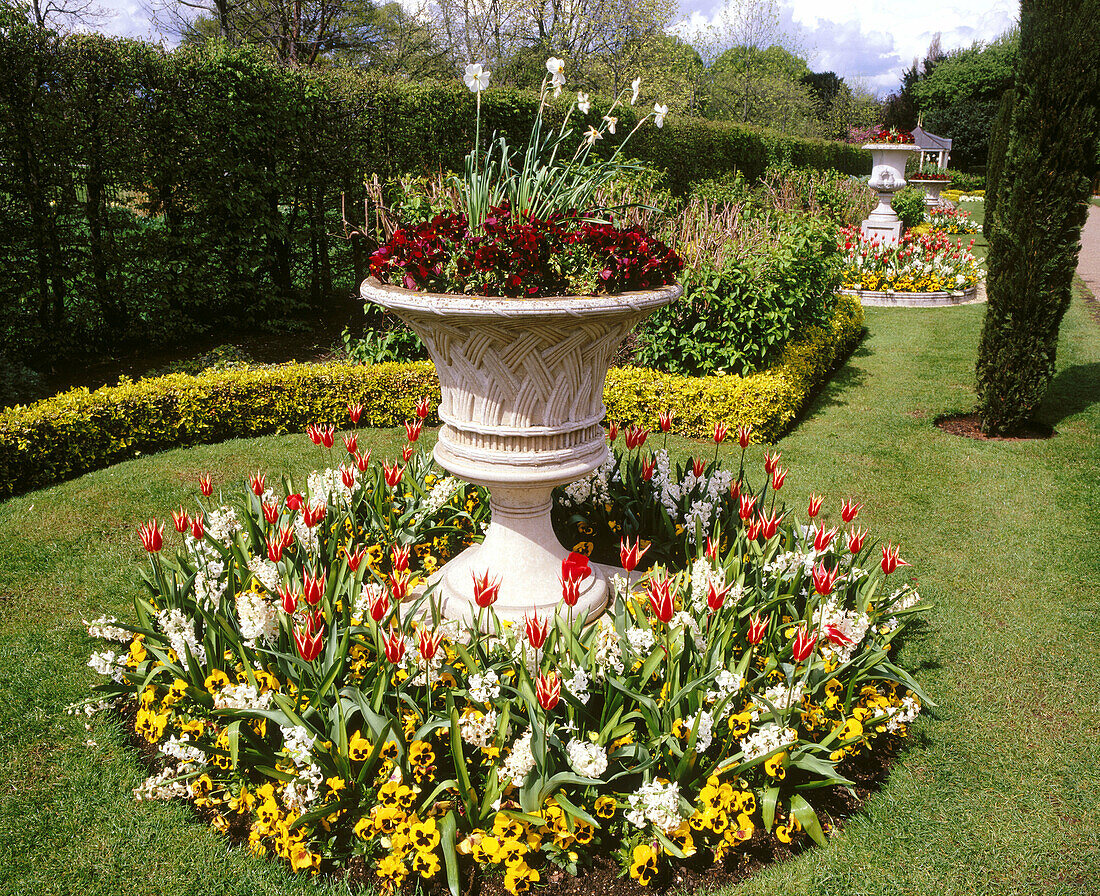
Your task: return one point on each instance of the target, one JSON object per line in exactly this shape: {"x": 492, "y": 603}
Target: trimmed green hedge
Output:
{"x": 79, "y": 431}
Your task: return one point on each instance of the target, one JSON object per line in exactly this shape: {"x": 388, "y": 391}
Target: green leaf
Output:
{"x": 447, "y": 829}
{"x": 807, "y": 817}
{"x": 767, "y": 807}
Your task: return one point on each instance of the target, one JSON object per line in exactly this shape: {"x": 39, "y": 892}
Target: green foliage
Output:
{"x": 1041, "y": 206}
{"x": 734, "y": 319}
{"x": 998, "y": 147}
{"x": 379, "y": 346}
{"x": 966, "y": 181}
{"x": 909, "y": 206}
{"x": 769, "y": 400}
{"x": 18, "y": 383}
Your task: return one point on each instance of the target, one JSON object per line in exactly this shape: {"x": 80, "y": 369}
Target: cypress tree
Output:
{"x": 1035, "y": 235}
{"x": 998, "y": 145}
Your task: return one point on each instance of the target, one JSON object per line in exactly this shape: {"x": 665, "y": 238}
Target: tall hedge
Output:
{"x": 998, "y": 146}
{"x": 1036, "y": 232}
{"x": 148, "y": 196}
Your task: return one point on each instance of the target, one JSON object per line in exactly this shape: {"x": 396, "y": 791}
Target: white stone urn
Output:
{"x": 522, "y": 385}
{"x": 887, "y": 177}
{"x": 932, "y": 188}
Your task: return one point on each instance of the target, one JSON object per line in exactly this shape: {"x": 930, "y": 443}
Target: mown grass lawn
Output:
{"x": 997, "y": 793}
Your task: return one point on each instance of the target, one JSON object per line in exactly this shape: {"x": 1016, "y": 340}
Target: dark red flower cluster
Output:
{"x": 891, "y": 135}
{"x": 516, "y": 256}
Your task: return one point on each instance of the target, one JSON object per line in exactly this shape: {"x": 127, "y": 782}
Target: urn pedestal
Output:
{"x": 887, "y": 177}
{"x": 932, "y": 188}
{"x": 522, "y": 409}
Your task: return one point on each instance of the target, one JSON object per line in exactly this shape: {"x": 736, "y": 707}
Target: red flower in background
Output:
{"x": 744, "y": 435}
{"x": 537, "y": 630}
{"x": 205, "y": 486}
{"x": 850, "y": 510}
{"x": 355, "y": 411}
{"x": 256, "y": 483}
{"x": 803, "y": 644}
{"x": 180, "y": 520}
{"x": 757, "y": 628}
{"x": 423, "y": 408}
{"x": 548, "y": 690}
{"x": 814, "y": 506}
{"x": 486, "y": 590}
{"x": 152, "y": 536}
{"x": 648, "y": 466}
{"x": 665, "y": 421}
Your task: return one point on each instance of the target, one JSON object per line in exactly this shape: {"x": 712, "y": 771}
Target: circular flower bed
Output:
{"x": 919, "y": 263}
{"x": 951, "y": 220}
{"x": 288, "y": 667}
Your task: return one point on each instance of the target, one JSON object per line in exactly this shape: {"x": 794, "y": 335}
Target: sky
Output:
{"x": 867, "y": 42}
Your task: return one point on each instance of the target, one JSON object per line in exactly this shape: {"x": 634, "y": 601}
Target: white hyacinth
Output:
{"x": 519, "y": 762}
{"x": 586, "y": 758}
{"x": 657, "y": 803}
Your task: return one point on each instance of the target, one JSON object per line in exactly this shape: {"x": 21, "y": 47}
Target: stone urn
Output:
{"x": 887, "y": 177}
{"x": 522, "y": 409}
{"x": 932, "y": 188}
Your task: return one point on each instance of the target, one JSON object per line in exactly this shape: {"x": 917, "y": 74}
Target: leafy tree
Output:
{"x": 1036, "y": 231}
{"x": 763, "y": 87}
{"x": 60, "y": 13}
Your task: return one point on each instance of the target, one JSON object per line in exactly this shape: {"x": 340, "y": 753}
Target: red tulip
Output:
{"x": 815, "y": 505}
{"x": 576, "y": 566}
{"x": 850, "y": 510}
{"x": 771, "y": 461}
{"x": 428, "y": 643}
{"x": 362, "y": 461}
{"x": 570, "y": 590}
{"x": 752, "y": 529}
{"x": 735, "y": 491}
{"x": 392, "y": 474}
{"x": 328, "y": 435}
{"x": 313, "y": 514}
{"x": 711, "y": 549}
{"x": 660, "y": 598}
{"x": 836, "y": 636}
{"x": 198, "y": 529}
{"x": 314, "y": 433}
{"x": 537, "y": 630}
{"x": 180, "y": 520}
{"x": 824, "y": 537}
{"x": 152, "y": 536}
{"x": 356, "y": 558}
{"x": 205, "y": 486}
{"x": 635, "y": 437}
{"x": 630, "y": 554}
{"x": 665, "y": 421}
{"x": 355, "y": 411}
{"x": 548, "y": 690}
{"x": 890, "y": 558}
{"x": 612, "y": 432}
{"x": 308, "y": 641}
{"x": 399, "y": 557}
{"x": 394, "y": 646}
{"x": 256, "y": 483}
{"x": 399, "y": 585}
{"x": 748, "y": 508}
{"x": 648, "y": 466}
{"x": 422, "y": 408}
{"x": 856, "y": 537}
{"x": 313, "y": 588}
{"x": 757, "y": 628}
{"x": 779, "y": 475}
{"x": 379, "y": 605}
{"x": 716, "y": 597}
{"x": 412, "y": 430}
{"x": 825, "y": 579}
{"x": 486, "y": 590}
{"x": 289, "y": 600}
{"x": 803, "y": 644}
{"x": 347, "y": 476}
{"x": 271, "y": 512}
{"x": 769, "y": 525}
{"x": 744, "y": 435}
{"x": 407, "y": 452}
{"x": 720, "y": 433}
{"x": 274, "y": 549}
{"x": 698, "y": 467}
{"x": 351, "y": 442}
{"x": 294, "y": 502}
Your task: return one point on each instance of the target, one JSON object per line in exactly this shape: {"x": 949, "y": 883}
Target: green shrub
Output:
{"x": 965, "y": 180}
{"x": 79, "y": 431}
{"x": 909, "y": 206}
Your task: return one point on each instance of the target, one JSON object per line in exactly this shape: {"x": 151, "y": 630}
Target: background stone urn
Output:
{"x": 932, "y": 188}
{"x": 522, "y": 384}
{"x": 887, "y": 177}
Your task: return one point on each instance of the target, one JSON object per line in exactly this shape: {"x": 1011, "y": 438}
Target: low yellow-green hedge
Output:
{"x": 79, "y": 430}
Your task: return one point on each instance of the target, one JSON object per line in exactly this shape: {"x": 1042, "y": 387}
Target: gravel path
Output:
{"x": 1088, "y": 263}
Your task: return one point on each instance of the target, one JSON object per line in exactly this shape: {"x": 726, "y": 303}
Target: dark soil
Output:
{"x": 834, "y": 806}
{"x": 969, "y": 426}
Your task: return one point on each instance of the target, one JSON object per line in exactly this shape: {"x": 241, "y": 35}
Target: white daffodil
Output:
{"x": 557, "y": 82}
{"x": 476, "y": 77}
{"x": 592, "y": 135}
{"x": 659, "y": 113}
{"x": 556, "y": 67}
{"x": 635, "y": 85}
{"x": 584, "y": 102}
{"x": 611, "y": 122}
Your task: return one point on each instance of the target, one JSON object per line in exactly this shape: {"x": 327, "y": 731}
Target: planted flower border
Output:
{"x": 300, "y": 689}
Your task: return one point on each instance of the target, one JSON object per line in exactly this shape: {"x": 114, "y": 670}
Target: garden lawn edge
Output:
{"x": 79, "y": 431}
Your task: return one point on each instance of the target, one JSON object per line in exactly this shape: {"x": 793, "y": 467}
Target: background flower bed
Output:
{"x": 79, "y": 430}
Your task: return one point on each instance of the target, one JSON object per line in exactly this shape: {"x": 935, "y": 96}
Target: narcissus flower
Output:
{"x": 584, "y": 102}
{"x": 803, "y": 644}
{"x": 476, "y": 77}
{"x": 635, "y": 86}
{"x": 659, "y": 112}
{"x": 548, "y": 690}
{"x": 152, "y": 536}
{"x": 486, "y": 590}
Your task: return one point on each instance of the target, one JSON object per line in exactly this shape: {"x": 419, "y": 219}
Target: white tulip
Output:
{"x": 611, "y": 122}
{"x": 635, "y": 85}
{"x": 659, "y": 114}
{"x": 584, "y": 102}
{"x": 476, "y": 77}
